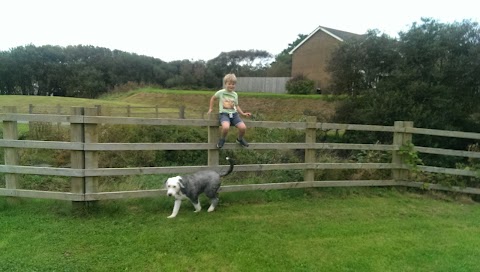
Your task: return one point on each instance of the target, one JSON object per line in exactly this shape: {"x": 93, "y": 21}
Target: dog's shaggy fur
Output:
{"x": 192, "y": 186}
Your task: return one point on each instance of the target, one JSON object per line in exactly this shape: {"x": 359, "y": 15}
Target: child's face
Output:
{"x": 230, "y": 86}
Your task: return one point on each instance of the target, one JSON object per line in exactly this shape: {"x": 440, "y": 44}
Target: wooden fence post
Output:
{"x": 99, "y": 109}
{"x": 156, "y": 111}
{"x": 59, "y": 112}
{"x": 213, "y": 154}
{"x": 30, "y": 111}
{"x": 182, "y": 112}
{"x": 310, "y": 154}
{"x": 77, "y": 157}
{"x": 128, "y": 111}
{"x": 10, "y": 132}
{"x": 91, "y": 157}
{"x": 400, "y": 138}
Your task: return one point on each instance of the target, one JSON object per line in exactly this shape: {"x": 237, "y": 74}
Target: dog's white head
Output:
{"x": 173, "y": 186}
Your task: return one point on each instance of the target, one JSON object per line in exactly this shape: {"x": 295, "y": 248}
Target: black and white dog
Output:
{"x": 207, "y": 181}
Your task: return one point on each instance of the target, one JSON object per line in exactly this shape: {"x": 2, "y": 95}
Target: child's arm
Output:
{"x": 243, "y": 113}
{"x": 212, "y": 100}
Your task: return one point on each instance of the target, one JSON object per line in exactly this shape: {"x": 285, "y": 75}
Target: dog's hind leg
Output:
{"x": 196, "y": 204}
{"x": 213, "y": 204}
{"x": 176, "y": 208}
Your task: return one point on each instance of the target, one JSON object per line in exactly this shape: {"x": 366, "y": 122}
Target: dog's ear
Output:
{"x": 180, "y": 183}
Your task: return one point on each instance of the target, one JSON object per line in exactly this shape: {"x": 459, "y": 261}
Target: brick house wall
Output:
{"x": 311, "y": 57}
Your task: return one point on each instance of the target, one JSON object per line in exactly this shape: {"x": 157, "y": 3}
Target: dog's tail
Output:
{"x": 232, "y": 163}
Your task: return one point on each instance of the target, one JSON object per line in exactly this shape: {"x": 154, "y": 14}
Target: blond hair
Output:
{"x": 229, "y": 78}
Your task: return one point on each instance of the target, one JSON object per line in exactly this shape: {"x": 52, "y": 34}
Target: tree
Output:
{"x": 282, "y": 66}
{"x": 361, "y": 63}
{"x": 241, "y": 62}
{"x": 6, "y": 74}
{"x": 187, "y": 74}
{"x": 53, "y": 74}
{"x": 431, "y": 78}
{"x": 23, "y": 70}
{"x": 82, "y": 70}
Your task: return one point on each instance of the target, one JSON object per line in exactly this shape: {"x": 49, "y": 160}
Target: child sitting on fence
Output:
{"x": 229, "y": 110}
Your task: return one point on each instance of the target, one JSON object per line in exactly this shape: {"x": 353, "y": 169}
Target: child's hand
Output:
{"x": 248, "y": 114}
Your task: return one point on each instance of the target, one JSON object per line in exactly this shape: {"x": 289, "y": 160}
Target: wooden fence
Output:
{"x": 128, "y": 111}
{"x": 84, "y": 147}
{"x": 262, "y": 84}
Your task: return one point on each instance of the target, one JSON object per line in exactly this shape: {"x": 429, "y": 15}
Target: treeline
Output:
{"x": 89, "y": 71}
{"x": 430, "y": 75}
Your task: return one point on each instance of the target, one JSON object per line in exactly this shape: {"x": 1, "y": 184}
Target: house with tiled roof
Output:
{"x": 310, "y": 58}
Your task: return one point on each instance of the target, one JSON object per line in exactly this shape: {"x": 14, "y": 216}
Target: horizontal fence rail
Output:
{"x": 155, "y": 111}
{"x": 84, "y": 125}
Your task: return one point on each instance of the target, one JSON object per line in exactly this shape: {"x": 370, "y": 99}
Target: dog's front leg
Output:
{"x": 197, "y": 205}
{"x": 176, "y": 208}
{"x": 213, "y": 205}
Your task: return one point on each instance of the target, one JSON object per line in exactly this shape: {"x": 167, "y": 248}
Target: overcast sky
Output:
{"x": 202, "y": 29}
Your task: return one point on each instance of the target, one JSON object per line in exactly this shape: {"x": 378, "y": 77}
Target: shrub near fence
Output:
{"x": 84, "y": 147}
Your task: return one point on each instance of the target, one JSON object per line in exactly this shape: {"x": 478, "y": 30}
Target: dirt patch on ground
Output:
{"x": 267, "y": 109}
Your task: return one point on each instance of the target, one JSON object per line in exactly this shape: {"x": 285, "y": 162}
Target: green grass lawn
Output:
{"x": 340, "y": 229}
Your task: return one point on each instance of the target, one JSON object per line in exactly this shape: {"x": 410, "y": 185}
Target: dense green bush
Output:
{"x": 300, "y": 84}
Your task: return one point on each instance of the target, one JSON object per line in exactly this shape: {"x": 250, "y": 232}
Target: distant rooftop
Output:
{"x": 337, "y": 34}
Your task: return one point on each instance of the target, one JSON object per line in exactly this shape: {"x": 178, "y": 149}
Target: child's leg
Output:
{"x": 241, "y": 131}
{"x": 237, "y": 121}
{"x": 224, "y": 130}
{"x": 225, "y": 123}
{"x": 242, "y": 128}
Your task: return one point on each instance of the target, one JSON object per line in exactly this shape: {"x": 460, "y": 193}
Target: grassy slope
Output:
{"x": 268, "y": 107}
{"x": 263, "y": 106}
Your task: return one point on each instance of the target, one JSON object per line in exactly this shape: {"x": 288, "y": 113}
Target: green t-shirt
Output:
{"x": 227, "y": 101}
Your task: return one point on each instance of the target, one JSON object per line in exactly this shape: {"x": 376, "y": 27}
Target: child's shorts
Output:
{"x": 233, "y": 118}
